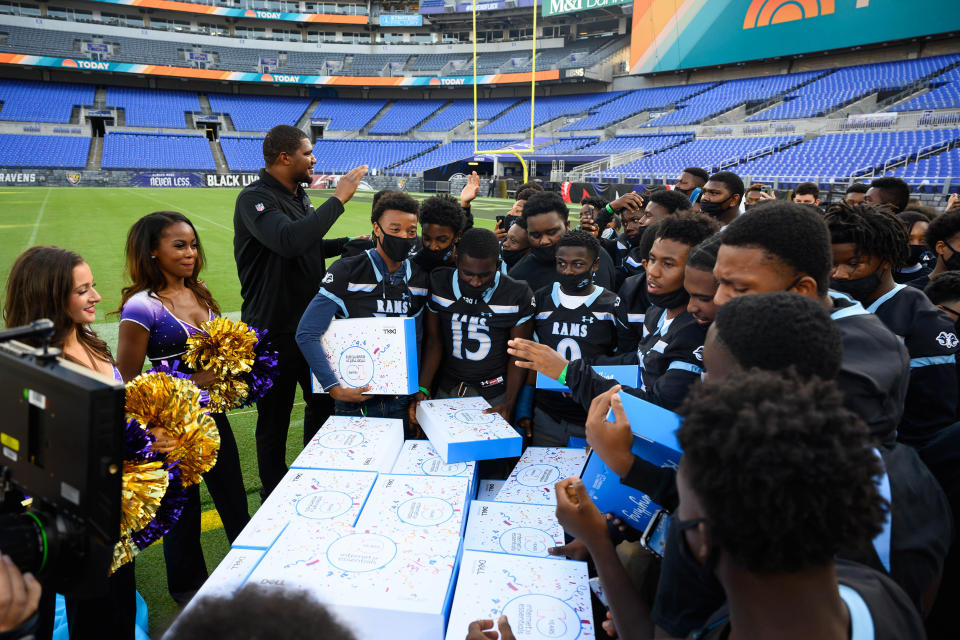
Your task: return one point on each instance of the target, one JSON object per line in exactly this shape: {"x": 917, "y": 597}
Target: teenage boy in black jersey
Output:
{"x": 659, "y": 204}
{"x": 472, "y": 311}
{"x": 765, "y": 521}
{"x": 546, "y": 218}
{"x": 382, "y": 283}
{"x": 633, "y": 291}
{"x": 441, "y": 223}
{"x": 576, "y": 318}
{"x": 943, "y": 239}
{"x": 869, "y": 244}
{"x": 671, "y": 350}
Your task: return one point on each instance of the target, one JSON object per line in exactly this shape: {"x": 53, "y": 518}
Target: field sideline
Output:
{"x": 94, "y": 223}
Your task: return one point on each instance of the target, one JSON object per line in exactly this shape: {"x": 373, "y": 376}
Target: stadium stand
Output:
{"x": 710, "y": 153}
{"x": 333, "y": 156}
{"x": 153, "y": 107}
{"x": 566, "y": 146}
{"x": 634, "y": 102}
{"x": 730, "y": 94}
{"x": 546, "y": 109}
{"x": 647, "y": 142}
{"x": 28, "y": 101}
{"x": 460, "y": 111}
{"x": 242, "y": 154}
{"x": 445, "y": 154}
{"x": 60, "y": 152}
{"x": 849, "y": 84}
{"x": 346, "y": 114}
{"x": 930, "y": 170}
{"x": 404, "y": 115}
{"x": 150, "y": 151}
{"x": 258, "y": 113}
{"x": 944, "y": 94}
{"x": 843, "y": 154}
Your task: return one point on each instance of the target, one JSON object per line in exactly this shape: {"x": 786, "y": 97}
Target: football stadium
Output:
{"x": 650, "y": 125}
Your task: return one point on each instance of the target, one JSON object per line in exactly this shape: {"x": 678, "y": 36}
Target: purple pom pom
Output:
{"x": 171, "y": 506}
{"x": 262, "y": 372}
{"x": 138, "y": 443}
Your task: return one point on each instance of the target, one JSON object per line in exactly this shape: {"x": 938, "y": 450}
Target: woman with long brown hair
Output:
{"x": 54, "y": 283}
{"x": 163, "y": 305}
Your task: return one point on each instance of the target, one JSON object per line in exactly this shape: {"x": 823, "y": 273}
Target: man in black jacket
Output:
{"x": 279, "y": 248}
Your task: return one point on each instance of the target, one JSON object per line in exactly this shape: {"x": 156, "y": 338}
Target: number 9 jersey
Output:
{"x": 476, "y": 330}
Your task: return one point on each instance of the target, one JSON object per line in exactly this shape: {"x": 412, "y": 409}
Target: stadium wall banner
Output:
{"x": 576, "y": 192}
{"x": 262, "y": 14}
{"x": 18, "y": 178}
{"x": 684, "y": 34}
{"x": 558, "y": 7}
{"x": 167, "y": 179}
{"x": 401, "y": 20}
{"x": 229, "y": 179}
{"x": 273, "y": 78}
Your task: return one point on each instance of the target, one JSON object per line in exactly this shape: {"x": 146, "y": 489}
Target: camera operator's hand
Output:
{"x": 19, "y": 595}
{"x": 347, "y": 185}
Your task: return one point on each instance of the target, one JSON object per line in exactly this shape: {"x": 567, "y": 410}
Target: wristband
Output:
{"x": 424, "y": 391}
{"x": 610, "y": 210}
{"x": 524, "y": 407}
{"x": 563, "y": 374}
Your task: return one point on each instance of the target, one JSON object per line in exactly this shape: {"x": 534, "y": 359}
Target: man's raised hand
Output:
{"x": 347, "y": 185}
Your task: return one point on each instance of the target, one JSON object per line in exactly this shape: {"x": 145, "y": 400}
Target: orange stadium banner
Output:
{"x": 262, "y": 14}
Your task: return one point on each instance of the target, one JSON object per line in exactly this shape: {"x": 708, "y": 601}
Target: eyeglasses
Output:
{"x": 683, "y": 525}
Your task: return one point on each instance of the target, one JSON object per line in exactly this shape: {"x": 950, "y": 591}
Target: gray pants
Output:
{"x": 548, "y": 432}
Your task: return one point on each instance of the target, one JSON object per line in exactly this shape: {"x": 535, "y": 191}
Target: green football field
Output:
{"x": 94, "y": 223}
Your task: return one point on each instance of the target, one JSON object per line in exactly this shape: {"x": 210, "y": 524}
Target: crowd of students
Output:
{"x": 810, "y": 348}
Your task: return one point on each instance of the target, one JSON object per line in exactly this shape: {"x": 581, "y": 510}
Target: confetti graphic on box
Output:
{"x": 542, "y": 598}
{"x": 380, "y": 352}
{"x": 317, "y": 495}
{"x": 353, "y": 443}
{"x": 537, "y": 471}
{"x": 460, "y": 430}
{"x": 505, "y": 527}
{"x": 419, "y": 457}
{"x": 399, "y": 502}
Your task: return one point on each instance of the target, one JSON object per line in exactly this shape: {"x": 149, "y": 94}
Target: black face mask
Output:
{"x": 705, "y": 570}
{"x": 396, "y": 248}
{"x": 916, "y": 254}
{"x": 512, "y": 256}
{"x": 467, "y": 290}
{"x": 713, "y": 209}
{"x": 546, "y": 255}
{"x": 432, "y": 258}
{"x": 953, "y": 262}
{"x": 672, "y": 300}
{"x": 859, "y": 288}
{"x": 574, "y": 283}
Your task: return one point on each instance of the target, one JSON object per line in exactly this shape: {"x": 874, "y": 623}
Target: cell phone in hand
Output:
{"x": 655, "y": 535}
{"x": 500, "y": 221}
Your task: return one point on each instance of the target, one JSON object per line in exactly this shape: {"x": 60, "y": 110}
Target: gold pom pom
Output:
{"x": 157, "y": 400}
{"x": 144, "y": 484}
{"x": 123, "y": 552}
{"x": 226, "y": 348}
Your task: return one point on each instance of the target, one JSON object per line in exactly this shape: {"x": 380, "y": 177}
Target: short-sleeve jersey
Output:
{"x": 168, "y": 333}
{"x": 476, "y": 330}
{"x": 361, "y": 288}
{"x": 583, "y": 333}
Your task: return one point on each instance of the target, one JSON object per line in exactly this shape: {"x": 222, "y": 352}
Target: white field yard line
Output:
{"x": 36, "y": 223}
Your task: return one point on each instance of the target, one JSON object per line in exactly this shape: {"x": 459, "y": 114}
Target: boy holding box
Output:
{"x": 472, "y": 312}
{"x": 380, "y": 283}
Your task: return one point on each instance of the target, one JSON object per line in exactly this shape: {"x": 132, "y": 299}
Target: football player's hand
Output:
{"x": 536, "y": 356}
{"x": 483, "y": 630}
{"x": 578, "y": 515}
{"x": 953, "y": 202}
{"x": 612, "y": 441}
{"x": 631, "y": 201}
{"x": 419, "y": 397}
{"x": 505, "y": 410}
{"x": 469, "y": 192}
{"x": 349, "y": 394}
{"x": 527, "y": 426}
{"x": 576, "y": 550}
{"x": 499, "y": 232}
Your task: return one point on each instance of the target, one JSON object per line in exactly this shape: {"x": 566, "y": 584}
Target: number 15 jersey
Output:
{"x": 476, "y": 330}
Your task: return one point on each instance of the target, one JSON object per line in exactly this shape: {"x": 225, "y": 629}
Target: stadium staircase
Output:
{"x": 751, "y": 109}
{"x": 205, "y": 107}
{"x": 379, "y": 115}
{"x": 304, "y": 121}
{"x": 218, "y": 158}
{"x": 598, "y": 166}
{"x": 100, "y": 98}
{"x": 95, "y": 155}
{"x": 919, "y": 87}
{"x": 411, "y": 158}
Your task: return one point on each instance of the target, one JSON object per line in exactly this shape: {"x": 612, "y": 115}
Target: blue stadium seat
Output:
{"x": 460, "y": 111}
{"x": 153, "y": 107}
{"x": 59, "y": 152}
{"x": 546, "y": 109}
{"x": 29, "y": 101}
{"x": 634, "y": 102}
{"x": 404, "y": 115}
{"x": 151, "y": 151}
{"x": 445, "y": 154}
{"x": 944, "y": 94}
{"x": 348, "y": 114}
{"x": 258, "y": 113}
